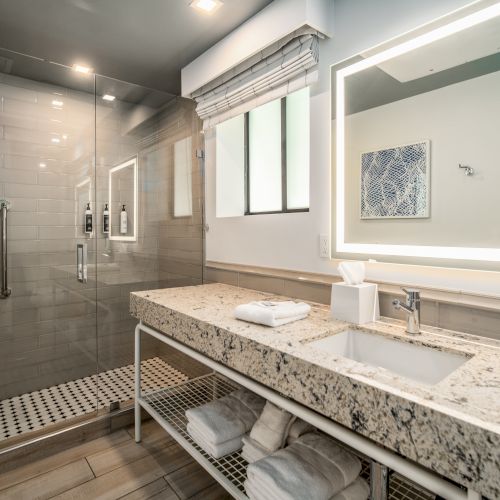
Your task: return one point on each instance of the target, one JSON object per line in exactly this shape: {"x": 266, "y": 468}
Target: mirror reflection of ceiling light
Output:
{"x": 65, "y": 136}
{"x": 57, "y": 103}
{"x": 56, "y": 140}
{"x": 79, "y": 68}
{"x": 109, "y": 97}
{"x": 42, "y": 165}
{"x": 206, "y": 6}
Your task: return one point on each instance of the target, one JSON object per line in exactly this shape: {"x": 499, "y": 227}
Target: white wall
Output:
{"x": 290, "y": 241}
{"x": 461, "y": 122}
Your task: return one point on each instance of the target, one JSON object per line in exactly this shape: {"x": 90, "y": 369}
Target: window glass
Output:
{"x": 297, "y": 149}
{"x": 264, "y": 142}
{"x": 230, "y": 168}
{"x": 183, "y": 201}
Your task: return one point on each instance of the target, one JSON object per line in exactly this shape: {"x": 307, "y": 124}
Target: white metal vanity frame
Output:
{"x": 379, "y": 455}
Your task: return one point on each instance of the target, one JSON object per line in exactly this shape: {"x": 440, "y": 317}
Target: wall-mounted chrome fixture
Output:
{"x": 468, "y": 170}
{"x": 5, "y": 291}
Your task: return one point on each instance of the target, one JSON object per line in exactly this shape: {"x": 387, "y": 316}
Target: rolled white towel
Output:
{"x": 253, "y": 451}
{"x": 298, "y": 428}
{"x": 227, "y": 418}
{"x": 313, "y": 467}
{"x": 215, "y": 450}
{"x": 359, "y": 490}
{"x": 271, "y": 428}
{"x": 271, "y": 313}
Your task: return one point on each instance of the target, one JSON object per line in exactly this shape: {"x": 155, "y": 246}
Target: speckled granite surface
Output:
{"x": 452, "y": 427}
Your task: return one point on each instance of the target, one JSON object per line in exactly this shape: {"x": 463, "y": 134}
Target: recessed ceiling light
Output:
{"x": 56, "y": 140}
{"x": 79, "y": 68}
{"x": 57, "y": 103}
{"x": 207, "y": 6}
{"x": 109, "y": 97}
{"x": 43, "y": 165}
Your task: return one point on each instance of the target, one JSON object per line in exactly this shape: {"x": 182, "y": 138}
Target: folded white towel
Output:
{"x": 359, "y": 490}
{"x": 271, "y": 313}
{"x": 298, "y": 428}
{"x": 271, "y": 428}
{"x": 227, "y": 418}
{"x": 253, "y": 451}
{"x": 216, "y": 450}
{"x": 314, "y": 466}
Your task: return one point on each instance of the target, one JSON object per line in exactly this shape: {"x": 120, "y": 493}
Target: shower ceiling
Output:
{"x": 140, "y": 42}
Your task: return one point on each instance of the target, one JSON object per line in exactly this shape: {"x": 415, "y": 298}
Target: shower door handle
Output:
{"x": 81, "y": 262}
{"x": 5, "y": 291}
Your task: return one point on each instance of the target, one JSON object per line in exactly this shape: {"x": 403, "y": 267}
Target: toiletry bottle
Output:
{"x": 88, "y": 219}
{"x": 123, "y": 221}
{"x": 105, "y": 220}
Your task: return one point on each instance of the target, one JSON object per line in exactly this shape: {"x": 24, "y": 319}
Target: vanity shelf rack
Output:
{"x": 168, "y": 407}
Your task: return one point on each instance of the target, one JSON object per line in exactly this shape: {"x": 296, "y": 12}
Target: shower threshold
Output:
{"x": 70, "y": 401}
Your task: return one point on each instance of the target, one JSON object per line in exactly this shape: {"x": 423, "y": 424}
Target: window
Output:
{"x": 262, "y": 161}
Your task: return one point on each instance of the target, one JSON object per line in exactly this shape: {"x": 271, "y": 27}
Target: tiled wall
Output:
{"x": 44, "y": 147}
{"x": 474, "y": 320}
{"x": 54, "y": 328}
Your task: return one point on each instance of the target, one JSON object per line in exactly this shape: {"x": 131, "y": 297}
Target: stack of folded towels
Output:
{"x": 219, "y": 426}
{"x": 274, "y": 429}
{"x": 313, "y": 466}
{"x": 270, "y": 313}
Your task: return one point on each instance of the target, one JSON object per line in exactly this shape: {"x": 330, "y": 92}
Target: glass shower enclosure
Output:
{"x": 102, "y": 195}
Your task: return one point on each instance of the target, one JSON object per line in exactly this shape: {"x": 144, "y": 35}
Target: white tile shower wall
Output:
{"x": 40, "y": 322}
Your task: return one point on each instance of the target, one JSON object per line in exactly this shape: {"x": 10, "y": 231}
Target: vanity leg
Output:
{"x": 137, "y": 367}
{"x": 379, "y": 481}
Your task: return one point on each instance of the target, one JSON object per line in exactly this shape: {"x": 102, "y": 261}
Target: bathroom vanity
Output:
{"x": 433, "y": 399}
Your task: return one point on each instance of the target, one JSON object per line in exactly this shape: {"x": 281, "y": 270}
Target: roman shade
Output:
{"x": 288, "y": 65}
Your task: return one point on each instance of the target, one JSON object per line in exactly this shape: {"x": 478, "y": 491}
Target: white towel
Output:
{"x": 216, "y": 450}
{"x": 271, "y": 313}
{"x": 227, "y": 418}
{"x": 253, "y": 451}
{"x": 271, "y": 428}
{"x": 359, "y": 490}
{"x": 314, "y": 466}
{"x": 298, "y": 428}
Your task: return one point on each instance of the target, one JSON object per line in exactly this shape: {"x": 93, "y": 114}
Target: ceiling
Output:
{"x": 140, "y": 41}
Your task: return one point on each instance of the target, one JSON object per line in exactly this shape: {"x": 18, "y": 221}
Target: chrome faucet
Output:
{"x": 412, "y": 308}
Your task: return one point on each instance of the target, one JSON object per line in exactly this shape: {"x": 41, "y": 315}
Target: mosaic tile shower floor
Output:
{"x": 38, "y": 409}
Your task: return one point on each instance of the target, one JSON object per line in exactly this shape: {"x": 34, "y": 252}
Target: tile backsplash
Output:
{"x": 443, "y": 314}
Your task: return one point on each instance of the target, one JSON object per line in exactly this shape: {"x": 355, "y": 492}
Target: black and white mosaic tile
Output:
{"x": 38, "y": 409}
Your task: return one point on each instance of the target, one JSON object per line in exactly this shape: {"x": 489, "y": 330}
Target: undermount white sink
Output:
{"x": 416, "y": 362}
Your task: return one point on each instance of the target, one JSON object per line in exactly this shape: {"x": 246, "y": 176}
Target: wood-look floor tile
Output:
{"x": 127, "y": 452}
{"x": 214, "y": 492}
{"x": 189, "y": 480}
{"x": 44, "y": 465}
{"x": 130, "y": 477}
{"x": 155, "y": 490}
{"x": 51, "y": 483}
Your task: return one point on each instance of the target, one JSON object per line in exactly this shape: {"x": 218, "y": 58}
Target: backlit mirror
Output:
{"x": 123, "y": 201}
{"x": 415, "y": 146}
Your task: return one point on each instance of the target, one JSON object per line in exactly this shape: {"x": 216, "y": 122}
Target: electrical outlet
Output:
{"x": 324, "y": 246}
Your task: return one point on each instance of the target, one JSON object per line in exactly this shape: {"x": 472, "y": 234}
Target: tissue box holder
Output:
{"x": 355, "y": 303}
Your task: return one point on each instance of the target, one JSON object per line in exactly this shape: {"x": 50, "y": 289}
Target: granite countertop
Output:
{"x": 452, "y": 427}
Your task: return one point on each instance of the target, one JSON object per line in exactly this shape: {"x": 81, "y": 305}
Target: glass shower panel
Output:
{"x": 149, "y": 175}
{"x": 48, "y": 352}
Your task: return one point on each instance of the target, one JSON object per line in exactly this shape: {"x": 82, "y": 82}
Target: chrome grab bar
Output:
{"x": 5, "y": 291}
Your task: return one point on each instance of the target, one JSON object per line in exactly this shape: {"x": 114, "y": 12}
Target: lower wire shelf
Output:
{"x": 168, "y": 407}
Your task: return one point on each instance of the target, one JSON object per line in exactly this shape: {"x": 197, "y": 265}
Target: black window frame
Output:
{"x": 284, "y": 201}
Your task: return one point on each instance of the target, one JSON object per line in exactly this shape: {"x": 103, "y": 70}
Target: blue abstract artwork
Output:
{"x": 395, "y": 182}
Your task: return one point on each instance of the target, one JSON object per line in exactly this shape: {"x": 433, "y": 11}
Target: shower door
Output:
{"x": 48, "y": 349}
